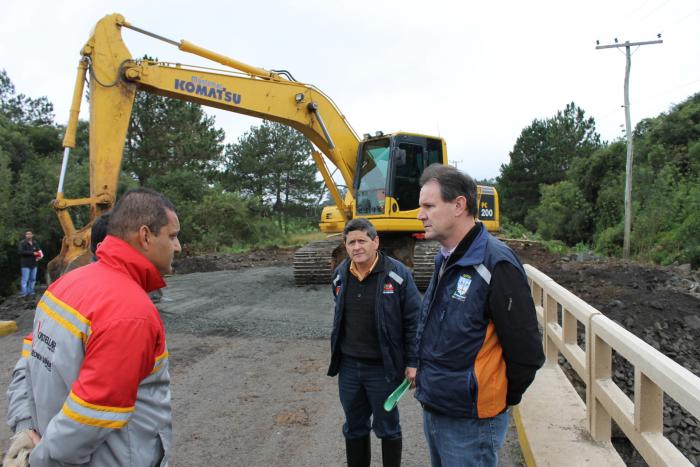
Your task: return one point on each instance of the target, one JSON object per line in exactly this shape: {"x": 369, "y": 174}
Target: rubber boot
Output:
{"x": 358, "y": 451}
{"x": 391, "y": 452}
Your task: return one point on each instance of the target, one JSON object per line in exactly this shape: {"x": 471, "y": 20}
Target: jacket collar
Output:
{"x": 360, "y": 277}
{"x": 469, "y": 252}
{"x": 476, "y": 253}
{"x": 383, "y": 264}
{"x": 117, "y": 254}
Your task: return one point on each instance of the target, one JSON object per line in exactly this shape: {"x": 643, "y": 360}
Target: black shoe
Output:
{"x": 358, "y": 451}
{"x": 391, "y": 452}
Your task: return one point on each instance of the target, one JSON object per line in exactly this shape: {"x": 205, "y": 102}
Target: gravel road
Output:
{"x": 249, "y": 353}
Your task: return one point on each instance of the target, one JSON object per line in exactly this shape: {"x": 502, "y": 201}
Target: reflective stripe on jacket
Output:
{"x": 97, "y": 366}
{"x": 396, "y": 315}
{"x": 461, "y": 370}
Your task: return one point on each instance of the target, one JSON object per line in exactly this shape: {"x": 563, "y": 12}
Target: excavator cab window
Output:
{"x": 372, "y": 180}
{"x": 434, "y": 152}
{"x": 407, "y": 175}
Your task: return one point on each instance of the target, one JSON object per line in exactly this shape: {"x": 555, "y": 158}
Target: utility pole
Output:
{"x": 628, "y": 129}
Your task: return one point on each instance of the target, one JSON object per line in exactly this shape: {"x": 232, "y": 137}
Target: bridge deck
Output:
{"x": 552, "y": 425}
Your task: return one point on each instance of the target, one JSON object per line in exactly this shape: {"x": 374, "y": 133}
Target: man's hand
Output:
{"x": 411, "y": 376}
{"x": 34, "y": 436}
{"x": 21, "y": 445}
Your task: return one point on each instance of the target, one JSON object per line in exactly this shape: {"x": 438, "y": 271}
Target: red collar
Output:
{"x": 116, "y": 253}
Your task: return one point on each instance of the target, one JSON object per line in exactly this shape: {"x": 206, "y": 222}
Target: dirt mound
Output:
{"x": 658, "y": 304}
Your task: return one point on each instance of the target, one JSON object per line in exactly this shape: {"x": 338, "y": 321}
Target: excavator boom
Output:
{"x": 382, "y": 171}
{"x": 115, "y": 77}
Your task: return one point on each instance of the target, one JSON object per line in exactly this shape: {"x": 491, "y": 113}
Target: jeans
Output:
{"x": 363, "y": 389}
{"x": 28, "y": 281}
{"x": 464, "y": 441}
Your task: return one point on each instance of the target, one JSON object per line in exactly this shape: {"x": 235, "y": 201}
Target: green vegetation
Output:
{"x": 254, "y": 193}
{"x": 562, "y": 182}
{"x": 576, "y": 195}
{"x": 513, "y": 230}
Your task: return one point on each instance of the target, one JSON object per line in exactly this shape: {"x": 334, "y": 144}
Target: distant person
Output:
{"x": 30, "y": 254}
{"x": 372, "y": 343}
{"x": 98, "y": 346}
{"x": 478, "y": 341}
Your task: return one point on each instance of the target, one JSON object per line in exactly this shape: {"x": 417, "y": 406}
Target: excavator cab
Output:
{"x": 389, "y": 169}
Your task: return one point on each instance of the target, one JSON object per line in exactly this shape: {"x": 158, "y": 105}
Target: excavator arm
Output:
{"x": 384, "y": 189}
{"x": 115, "y": 77}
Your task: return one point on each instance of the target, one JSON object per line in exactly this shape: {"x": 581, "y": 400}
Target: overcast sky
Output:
{"x": 473, "y": 73}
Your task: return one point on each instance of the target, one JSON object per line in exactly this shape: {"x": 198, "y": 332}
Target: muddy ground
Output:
{"x": 249, "y": 352}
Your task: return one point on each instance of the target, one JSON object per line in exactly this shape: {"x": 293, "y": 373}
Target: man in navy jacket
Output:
{"x": 478, "y": 341}
{"x": 372, "y": 343}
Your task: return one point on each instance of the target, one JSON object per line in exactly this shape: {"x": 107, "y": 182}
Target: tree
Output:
{"x": 601, "y": 179}
{"x": 273, "y": 163}
{"x": 29, "y": 143}
{"x": 563, "y": 213}
{"x": 21, "y": 109}
{"x": 26, "y": 125}
{"x": 248, "y": 162}
{"x": 542, "y": 155}
{"x": 168, "y": 134}
{"x": 666, "y": 193}
{"x": 7, "y": 230}
{"x": 294, "y": 177}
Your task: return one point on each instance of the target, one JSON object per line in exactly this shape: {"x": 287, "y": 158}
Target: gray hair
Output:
{"x": 453, "y": 184}
{"x": 360, "y": 224}
{"x": 136, "y": 208}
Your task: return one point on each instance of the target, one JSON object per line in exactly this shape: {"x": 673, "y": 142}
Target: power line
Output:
{"x": 679, "y": 20}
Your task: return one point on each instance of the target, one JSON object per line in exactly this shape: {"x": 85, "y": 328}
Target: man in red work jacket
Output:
{"x": 96, "y": 361}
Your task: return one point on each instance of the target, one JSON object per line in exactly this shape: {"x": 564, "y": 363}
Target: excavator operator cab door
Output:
{"x": 417, "y": 153}
{"x": 371, "y": 184}
{"x": 389, "y": 169}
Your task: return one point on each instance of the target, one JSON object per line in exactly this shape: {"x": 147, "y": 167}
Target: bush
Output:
{"x": 514, "y": 230}
{"x": 223, "y": 220}
{"x": 563, "y": 213}
{"x": 609, "y": 241}
{"x": 679, "y": 244}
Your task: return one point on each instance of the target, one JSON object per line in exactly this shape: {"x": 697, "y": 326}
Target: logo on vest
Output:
{"x": 462, "y": 287}
{"x": 388, "y": 288}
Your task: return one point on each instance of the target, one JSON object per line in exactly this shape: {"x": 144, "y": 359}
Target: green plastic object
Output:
{"x": 395, "y": 396}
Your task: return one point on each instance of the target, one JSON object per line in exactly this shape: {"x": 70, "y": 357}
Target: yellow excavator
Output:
{"x": 381, "y": 170}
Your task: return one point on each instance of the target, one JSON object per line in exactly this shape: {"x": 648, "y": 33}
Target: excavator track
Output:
{"x": 424, "y": 262}
{"x": 314, "y": 263}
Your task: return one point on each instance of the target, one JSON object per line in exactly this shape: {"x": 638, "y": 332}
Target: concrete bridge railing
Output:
{"x": 562, "y": 314}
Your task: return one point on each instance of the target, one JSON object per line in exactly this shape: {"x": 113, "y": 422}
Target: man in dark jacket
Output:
{"x": 478, "y": 341}
{"x": 372, "y": 343}
{"x": 29, "y": 255}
